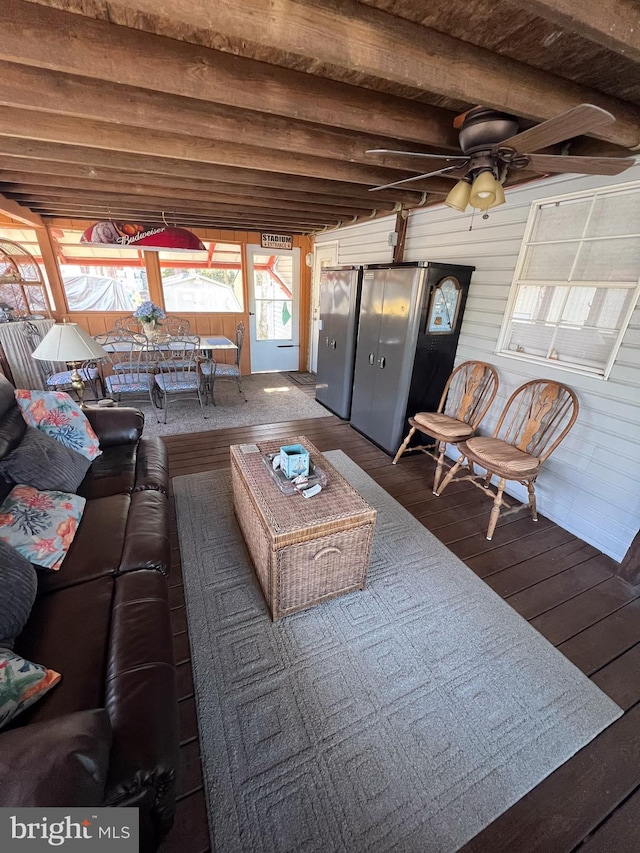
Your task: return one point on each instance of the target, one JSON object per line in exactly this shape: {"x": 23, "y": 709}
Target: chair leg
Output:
{"x": 452, "y": 473}
{"x": 239, "y": 381}
{"x": 532, "y": 499}
{"x": 403, "y": 446}
{"x": 495, "y": 510}
{"x": 439, "y": 466}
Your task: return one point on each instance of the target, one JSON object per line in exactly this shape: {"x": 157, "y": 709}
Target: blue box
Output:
{"x": 294, "y": 460}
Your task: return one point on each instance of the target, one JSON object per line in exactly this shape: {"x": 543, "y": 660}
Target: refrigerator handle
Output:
{"x": 372, "y": 358}
{"x": 381, "y": 362}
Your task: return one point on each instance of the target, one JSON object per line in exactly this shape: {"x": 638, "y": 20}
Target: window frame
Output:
{"x": 517, "y": 282}
{"x": 207, "y": 265}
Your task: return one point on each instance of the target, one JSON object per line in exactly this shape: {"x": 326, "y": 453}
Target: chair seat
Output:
{"x": 501, "y": 456}
{"x": 227, "y": 370}
{"x": 439, "y": 425}
{"x": 123, "y": 383}
{"x": 64, "y": 377}
{"x": 187, "y": 381}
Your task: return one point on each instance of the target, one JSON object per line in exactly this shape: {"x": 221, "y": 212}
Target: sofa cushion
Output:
{"x": 113, "y": 473}
{"x": 44, "y": 463}
{"x": 97, "y": 548}
{"x": 21, "y": 684}
{"x": 18, "y": 584}
{"x": 70, "y": 630}
{"x": 55, "y": 413}
{"x": 40, "y": 525}
{"x": 60, "y": 763}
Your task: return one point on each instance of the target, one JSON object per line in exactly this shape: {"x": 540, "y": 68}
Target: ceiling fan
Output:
{"x": 492, "y": 146}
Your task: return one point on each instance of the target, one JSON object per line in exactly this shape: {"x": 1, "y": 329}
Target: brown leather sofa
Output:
{"x": 107, "y": 734}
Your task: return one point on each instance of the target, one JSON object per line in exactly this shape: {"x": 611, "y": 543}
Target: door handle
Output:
{"x": 372, "y": 358}
{"x": 252, "y": 313}
{"x": 381, "y": 362}
{"x": 333, "y": 344}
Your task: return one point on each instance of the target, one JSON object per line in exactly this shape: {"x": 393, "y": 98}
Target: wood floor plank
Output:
{"x": 524, "y": 573}
{"x": 620, "y": 679}
{"x": 620, "y": 833}
{"x": 515, "y": 553}
{"x": 573, "y": 616}
{"x": 549, "y": 593}
{"x": 603, "y": 642}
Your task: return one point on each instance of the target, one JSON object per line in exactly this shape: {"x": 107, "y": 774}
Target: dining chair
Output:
{"x": 536, "y": 418}
{"x": 469, "y": 392}
{"x": 130, "y": 368}
{"x": 213, "y": 371}
{"x": 127, "y": 325}
{"x": 60, "y": 380}
{"x": 179, "y": 375}
{"x": 175, "y": 326}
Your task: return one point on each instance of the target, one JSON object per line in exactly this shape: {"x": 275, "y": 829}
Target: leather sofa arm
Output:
{"x": 62, "y": 762}
{"x": 152, "y": 466}
{"x": 116, "y": 425}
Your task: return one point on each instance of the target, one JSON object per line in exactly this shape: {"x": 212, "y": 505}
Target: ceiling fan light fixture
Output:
{"x": 458, "y": 198}
{"x": 483, "y": 190}
{"x": 500, "y": 199}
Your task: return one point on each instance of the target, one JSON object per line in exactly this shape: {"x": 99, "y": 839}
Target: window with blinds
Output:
{"x": 577, "y": 280}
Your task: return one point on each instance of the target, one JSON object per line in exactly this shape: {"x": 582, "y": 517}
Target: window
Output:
{"x": 194, "y": 282}
{"x": 26, "y": 298}
{"x": 576, "y": 281}
{"x": 98, "y": 279}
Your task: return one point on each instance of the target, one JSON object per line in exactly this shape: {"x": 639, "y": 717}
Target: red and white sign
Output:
{"x": 133, "y": 235}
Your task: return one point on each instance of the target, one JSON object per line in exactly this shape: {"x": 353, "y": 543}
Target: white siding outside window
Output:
{"x": 576, "y": 281}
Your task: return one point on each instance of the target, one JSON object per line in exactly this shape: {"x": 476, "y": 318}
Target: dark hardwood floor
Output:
{"x": 565, "y": 588}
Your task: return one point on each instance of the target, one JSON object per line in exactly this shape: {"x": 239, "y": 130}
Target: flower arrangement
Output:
{"x": 149, "y": 312}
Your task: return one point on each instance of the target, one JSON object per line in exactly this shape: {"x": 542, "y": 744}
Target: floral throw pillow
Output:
{"x": 21, "y": 684}
{"x": 55, "y": 413}
{"x": 40, "y": 525}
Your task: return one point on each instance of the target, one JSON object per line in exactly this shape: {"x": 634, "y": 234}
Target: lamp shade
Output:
{"x": 483, "y": 191}
{"x": 458, "y": 198}
{"x": 67, "y": 342}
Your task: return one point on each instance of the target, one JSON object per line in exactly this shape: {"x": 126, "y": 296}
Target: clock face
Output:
{"x": 443, "y": 310}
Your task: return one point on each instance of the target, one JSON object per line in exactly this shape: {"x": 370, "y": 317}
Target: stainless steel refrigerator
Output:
{"x": 408, "y": 330}
{"x": 337, "y": 328}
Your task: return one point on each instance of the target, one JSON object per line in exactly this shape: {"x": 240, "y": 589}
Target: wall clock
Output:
{"x": 444, "y": 306}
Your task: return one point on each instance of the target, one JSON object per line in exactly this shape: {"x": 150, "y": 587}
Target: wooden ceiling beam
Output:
{"x": 356, "y": 39}
{"x": 19, "y": 212}
{"x": 614, "y": 24}
{"x": 60, "y": 41}
{"x": 20, "y": 182}
{"x": 46, "y": 172}
{"x": 169, "y": 209}
{"x": 64, "y": 94}
{"x": 48, "y": 127}
{"x": 92, "y": 158}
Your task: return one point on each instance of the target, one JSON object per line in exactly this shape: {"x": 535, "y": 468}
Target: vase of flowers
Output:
{"x": 150, "y": 316}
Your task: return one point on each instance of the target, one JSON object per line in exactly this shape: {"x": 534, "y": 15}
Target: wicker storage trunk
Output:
{"x": 304, "y": 550}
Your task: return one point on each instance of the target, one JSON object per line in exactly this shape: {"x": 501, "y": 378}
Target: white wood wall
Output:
{"x": 591, "y": 484}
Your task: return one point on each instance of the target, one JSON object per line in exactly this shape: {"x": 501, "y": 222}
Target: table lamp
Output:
{"x": 70, "y": 343}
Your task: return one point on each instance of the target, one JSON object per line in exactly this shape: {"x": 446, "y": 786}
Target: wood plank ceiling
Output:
{"x": 254, "y": 114}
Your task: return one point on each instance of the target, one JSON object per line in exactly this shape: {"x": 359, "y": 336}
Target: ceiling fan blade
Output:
{"x": 580, "y": 165}
{"x": 415, "y": 178}
{"x": 444, "y": 157}
{"x": 581, "y": 119}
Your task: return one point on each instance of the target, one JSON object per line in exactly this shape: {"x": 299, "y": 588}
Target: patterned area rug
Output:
{"x": 271, "y": 398}
{"x": 403, "y": 718}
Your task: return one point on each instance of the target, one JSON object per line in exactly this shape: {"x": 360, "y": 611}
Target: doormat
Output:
{"x": 302, "y": 378}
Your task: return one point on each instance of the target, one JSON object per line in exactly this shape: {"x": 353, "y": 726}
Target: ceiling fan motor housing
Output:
{"x": 484, "y": 128}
